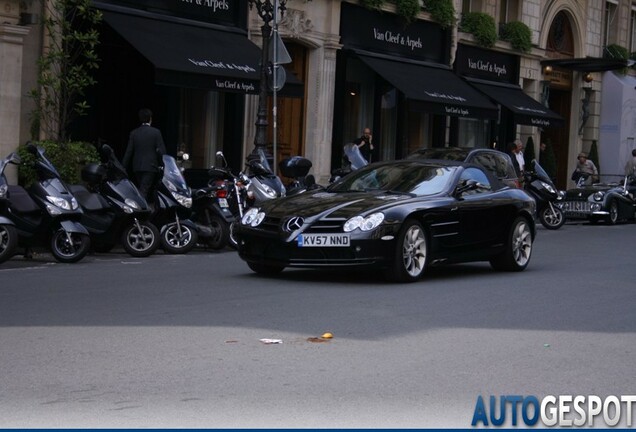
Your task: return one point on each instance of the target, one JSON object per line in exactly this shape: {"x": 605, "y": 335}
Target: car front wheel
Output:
{"x": 518, "y": 249}
{"x": 409, "y": 262}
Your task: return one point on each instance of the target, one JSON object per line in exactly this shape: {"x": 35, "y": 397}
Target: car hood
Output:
{"x": 341, "y": 205}
{"x": 587, "y": 191}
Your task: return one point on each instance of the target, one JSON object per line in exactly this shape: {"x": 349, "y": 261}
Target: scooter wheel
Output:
{"x": 69, "y": 247}
{"x": 140, "y": 239}
{"x": 8, "y": 242}
{"x": 220, "y": 233}
{"x": 178, "y": 239}
{"x": 550, "y": 219}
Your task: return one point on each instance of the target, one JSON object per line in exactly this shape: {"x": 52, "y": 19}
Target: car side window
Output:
{"x": 487, "y": 161}
{"x": 477, "y": 175}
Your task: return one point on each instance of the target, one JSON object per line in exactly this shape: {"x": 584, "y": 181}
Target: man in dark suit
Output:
{"x": 145, "y": 149}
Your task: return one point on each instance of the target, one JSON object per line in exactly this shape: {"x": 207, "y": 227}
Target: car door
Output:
{"x": 477, "y": 212}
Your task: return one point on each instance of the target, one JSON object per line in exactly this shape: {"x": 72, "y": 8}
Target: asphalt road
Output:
{"x": 174, "y": 341}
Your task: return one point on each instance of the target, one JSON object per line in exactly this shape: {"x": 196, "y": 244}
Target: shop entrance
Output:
{"x": 291, "y": 111}
{"x": 559, "y": 137}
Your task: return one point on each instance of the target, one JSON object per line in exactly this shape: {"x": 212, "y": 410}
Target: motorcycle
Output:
{"x": 264, "y": 185}
{"x": 46, "y": 213}
{"x": 114, "y": 210}
{"x": 220, "y": 203}
{"x": 352, "y": 160}
{"x": 538, "y": 185}
{"x": 173, "y": 205}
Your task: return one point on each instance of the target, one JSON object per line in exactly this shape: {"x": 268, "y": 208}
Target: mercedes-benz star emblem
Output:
{"x": 294, "y": 223}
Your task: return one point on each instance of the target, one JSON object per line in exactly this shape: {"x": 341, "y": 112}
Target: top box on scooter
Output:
{"x": 295, "y": 166}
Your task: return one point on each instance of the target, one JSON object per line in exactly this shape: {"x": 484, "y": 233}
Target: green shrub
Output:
{"x": 615, "y": 51}
{"x": 68, "y": 158}
{"x": 372, "y": 4}
{"x": 441, "y": 11}
{"x": 482, "y": 26}
{"x": 518, "y": 34}
{"x": 408, "y": 9}
{"x": 528, "y": 151}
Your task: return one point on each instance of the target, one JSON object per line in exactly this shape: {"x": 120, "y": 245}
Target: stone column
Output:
{"x": 11, "y": 46}
{"x": 321, "y": 82}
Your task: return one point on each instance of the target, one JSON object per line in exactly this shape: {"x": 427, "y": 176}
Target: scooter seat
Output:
{"x": 88, "y": 200}
{"x": 21, "y": 201}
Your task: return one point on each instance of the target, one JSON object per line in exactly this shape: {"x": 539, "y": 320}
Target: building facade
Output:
{"x": 351, "y": 68}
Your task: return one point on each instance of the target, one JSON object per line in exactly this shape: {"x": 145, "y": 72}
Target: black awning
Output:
{"x": 587, "y": 64}
{"x": 196, "y": 56}
{"x": 432, "y": 89}
{"x": 526, "y": 110}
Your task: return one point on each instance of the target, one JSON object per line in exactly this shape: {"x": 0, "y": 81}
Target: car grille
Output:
{"x": 330, "y": 225}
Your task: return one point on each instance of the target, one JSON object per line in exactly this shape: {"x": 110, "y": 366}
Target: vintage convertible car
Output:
{"x": 610, "y": 201}
{"x": 399, "y": 216}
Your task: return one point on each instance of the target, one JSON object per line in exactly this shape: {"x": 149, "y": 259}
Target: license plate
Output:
{"x": 576, "y": 206}
{"x": 223, "y": 202}
{"x": 323, "y": 240}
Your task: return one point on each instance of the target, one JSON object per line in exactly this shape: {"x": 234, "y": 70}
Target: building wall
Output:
{"x": 315, "y": 24}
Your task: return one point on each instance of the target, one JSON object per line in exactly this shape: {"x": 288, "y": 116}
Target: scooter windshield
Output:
{"x": 355, "y": 157}
{"x": 172, "y": 173}
{"x": 541, "y": 174}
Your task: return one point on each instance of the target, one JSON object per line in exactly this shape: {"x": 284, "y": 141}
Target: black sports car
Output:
{"x": 401, "y": 216}
{"x": 611, "y": 200}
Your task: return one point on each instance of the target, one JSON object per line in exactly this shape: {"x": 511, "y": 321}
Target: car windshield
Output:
{"x": 403, "y": 177}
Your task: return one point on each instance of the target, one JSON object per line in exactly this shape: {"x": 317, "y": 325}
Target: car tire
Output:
{"x": 72, "y": 251}
{"x": 518, "y": 248}
{"x": 8, "y": 242}
{"x": 552, "y": 218}
{"x": 409, "y": 262}
{"x": 265, "y": 269}
{"x": 612, "y": 218}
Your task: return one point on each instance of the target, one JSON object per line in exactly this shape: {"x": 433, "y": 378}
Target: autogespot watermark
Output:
{"x": 561, "y": 410}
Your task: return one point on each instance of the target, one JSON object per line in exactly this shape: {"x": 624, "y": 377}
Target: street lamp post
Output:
{"x": 266, "y": 11}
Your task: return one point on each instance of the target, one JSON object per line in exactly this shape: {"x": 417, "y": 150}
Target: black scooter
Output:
{"x": 538, "y": 185}
{"x": 173, "y": 207}
{"x": 8, "y": 232}
{"x": 297, "y": 168}
{"x": 114, "y": 210}
{"x": 46, "y": 213}
{"x": 220, "y": 203}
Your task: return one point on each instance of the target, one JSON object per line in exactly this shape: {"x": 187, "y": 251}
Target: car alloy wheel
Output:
{"x": 517, "y": 252}
{"x": 411, "y": 253}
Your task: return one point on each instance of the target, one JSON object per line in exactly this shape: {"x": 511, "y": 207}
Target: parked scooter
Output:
{"x": 264, "y": 184}
{"x": 297, "y": 168}
{"x": 173, "y": 205}
{"x": 114, "y": 210}
{"x": 47, "y": 213}
{"x": 538, "y": 184}
{"x": 220, "y": 203}
{"x": 8, "y": 231}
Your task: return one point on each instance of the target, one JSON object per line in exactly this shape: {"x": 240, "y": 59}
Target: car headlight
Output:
{"x": 548, "y": 187}
{"x": 61, "y": 202}
{"x": 364, "y": 223}
{"x": 253, "y": 217}
{"x": 598, "y": 196}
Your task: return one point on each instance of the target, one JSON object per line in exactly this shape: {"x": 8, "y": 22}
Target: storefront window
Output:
{"x": 472, "y": 132}
{"x": 388, "y": 123}
{"x": 200, "y": 126}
